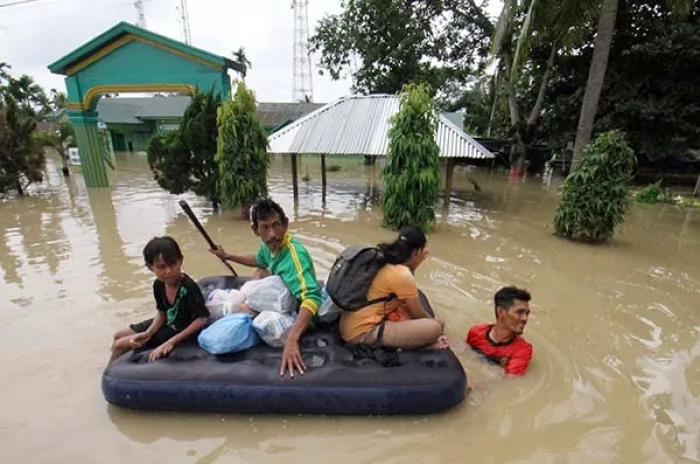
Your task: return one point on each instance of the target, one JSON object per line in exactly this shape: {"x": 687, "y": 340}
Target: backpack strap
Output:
{"x": 387, "y": 298}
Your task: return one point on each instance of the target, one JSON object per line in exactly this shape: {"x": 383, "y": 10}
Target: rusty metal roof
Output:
{"x": 359, "y": 125}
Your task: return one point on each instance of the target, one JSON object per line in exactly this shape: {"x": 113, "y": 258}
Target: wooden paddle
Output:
{"x": 186, "y": 208}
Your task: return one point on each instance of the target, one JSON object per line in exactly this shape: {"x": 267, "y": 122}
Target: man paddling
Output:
{"x": 502, "y": 343}
{"x": 282, "y": 255}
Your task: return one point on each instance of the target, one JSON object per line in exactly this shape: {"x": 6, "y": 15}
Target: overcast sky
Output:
{"x": 36, "y": 34}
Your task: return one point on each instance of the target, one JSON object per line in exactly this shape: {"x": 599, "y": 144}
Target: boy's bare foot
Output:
{"x": 441, "y": 343}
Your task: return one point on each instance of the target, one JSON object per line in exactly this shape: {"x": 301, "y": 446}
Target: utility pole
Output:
{"x": 141, "y": 22}
{"x": 302, "y": 84}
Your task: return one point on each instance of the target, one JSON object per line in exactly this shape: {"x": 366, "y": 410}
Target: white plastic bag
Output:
{"x": 269, "y": 294}
{"x": 273, "y": 327}
{"x": 223, "y": 302}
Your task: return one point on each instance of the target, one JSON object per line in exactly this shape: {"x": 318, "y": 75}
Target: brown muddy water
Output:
{"x": 615, "y": 328}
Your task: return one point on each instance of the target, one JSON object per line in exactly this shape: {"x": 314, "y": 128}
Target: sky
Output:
{"x": 35, "y": 34}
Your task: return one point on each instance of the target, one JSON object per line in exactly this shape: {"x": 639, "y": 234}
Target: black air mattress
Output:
{"x": 337, "y": 381}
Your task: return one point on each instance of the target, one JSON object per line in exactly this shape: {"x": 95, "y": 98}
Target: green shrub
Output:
{"x": 183, "y": 160}
{"x": 654, "y": 193}
{"x": 595, "y": 195}
{"x": 650, "y": 193}
{"x": 412, "y": 171}
{"x": 242, "y": 151}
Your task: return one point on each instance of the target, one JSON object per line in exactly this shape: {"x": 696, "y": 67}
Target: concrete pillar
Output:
{"x": 90, "y": 147}
{"x": 110, "y": 146}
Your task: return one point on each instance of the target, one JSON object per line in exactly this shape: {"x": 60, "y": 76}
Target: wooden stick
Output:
{"x": 188, "y": 211}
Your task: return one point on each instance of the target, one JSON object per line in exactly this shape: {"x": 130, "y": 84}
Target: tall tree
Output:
{"x": 185, "y": 159}
{"x": 658, "y": 107}
{"x": 522, "y": 27}
{"x": 22, "y": 158}
{"x": 412, "y": 171}
{"x": 599, "y": 65}
{"x": 242, "y": 151}
{"x": 384, "y": 44}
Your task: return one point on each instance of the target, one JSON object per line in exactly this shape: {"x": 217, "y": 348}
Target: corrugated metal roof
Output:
{"x": 118, "y": 110}
{"x": 359, "y": 125}
{"x": 273, "y": 114}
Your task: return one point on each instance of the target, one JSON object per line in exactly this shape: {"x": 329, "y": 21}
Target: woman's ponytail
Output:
{"x": 401, "y": 250}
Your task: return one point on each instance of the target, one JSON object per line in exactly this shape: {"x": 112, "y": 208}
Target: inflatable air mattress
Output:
{"x": 339, "y": 380}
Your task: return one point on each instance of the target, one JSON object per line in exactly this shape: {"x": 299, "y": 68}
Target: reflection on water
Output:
{"x": 615, "y": 328}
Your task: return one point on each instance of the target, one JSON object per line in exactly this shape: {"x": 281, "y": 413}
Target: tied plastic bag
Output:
{"x": 223, "y": 302}
{"x": 229, "y": 334}
{"x": 273, "y": 327}
{"x": 328, "y": 311}
{"x": 269, "y": 294}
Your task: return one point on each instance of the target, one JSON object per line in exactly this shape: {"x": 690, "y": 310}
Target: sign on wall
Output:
{"x": 74, "y": 156}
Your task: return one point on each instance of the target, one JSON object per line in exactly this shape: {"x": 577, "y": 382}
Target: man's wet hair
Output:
{"x": 166, "y": 247}
{"x": 265, "y": 208}
{"x": 506, "y": 296}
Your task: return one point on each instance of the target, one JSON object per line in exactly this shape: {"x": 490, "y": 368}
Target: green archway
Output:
{"x": 124, "y": 59}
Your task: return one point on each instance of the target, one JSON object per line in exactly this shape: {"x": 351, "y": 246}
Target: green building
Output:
{"x": 128, "y": 123}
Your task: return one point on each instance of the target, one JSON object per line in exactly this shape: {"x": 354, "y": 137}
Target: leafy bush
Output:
{"x": 169, "y": 162}
{"x": 595, "y": 195}
{"x": 241, "y": 151}
{"x": 412, "y": 172}
{"x": 22, "y": 158}
{"x": 184, "y": 159}
{"x": 654, "y": 193}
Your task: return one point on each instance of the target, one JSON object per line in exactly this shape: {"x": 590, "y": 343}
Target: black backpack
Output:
{"x": 351, "y": 276}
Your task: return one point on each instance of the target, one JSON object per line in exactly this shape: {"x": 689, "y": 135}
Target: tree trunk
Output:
{"x": 596, "y": 76}
{"x": 696, "y": 190}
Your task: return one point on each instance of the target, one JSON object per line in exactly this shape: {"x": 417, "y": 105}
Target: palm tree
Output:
{"x": 59, "y": 141}
{"x": 599, "y": 65}
{"x": 242, "y": 58}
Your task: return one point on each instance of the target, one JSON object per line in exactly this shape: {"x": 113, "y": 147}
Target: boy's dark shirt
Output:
{"x": 188, "y": 304}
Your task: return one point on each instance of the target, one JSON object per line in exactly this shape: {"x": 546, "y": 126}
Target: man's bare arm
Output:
{"x": 243, "y": 260}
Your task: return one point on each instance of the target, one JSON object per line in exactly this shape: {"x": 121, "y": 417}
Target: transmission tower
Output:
{"x": 141, "y": 22}
{"x": 184, "y": 15}
{"x": 303, "y": 85}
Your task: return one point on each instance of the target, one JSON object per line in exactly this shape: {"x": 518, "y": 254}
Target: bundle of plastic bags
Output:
{"x": 233, "y": 331}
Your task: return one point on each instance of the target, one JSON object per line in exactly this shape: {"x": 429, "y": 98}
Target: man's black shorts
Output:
{"x": 163, "y": 334}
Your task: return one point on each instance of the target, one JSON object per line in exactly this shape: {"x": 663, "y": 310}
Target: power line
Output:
{"x": 80, "y": 13}
{"x": 20, "y": 2}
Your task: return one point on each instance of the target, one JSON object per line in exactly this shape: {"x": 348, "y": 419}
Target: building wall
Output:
{"x": 131, "y": 137}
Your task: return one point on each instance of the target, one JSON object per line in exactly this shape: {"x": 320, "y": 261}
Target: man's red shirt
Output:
{"x": 514, "y": 355}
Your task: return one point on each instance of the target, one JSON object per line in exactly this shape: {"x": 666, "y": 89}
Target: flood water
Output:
{"x": 615, "y": 328}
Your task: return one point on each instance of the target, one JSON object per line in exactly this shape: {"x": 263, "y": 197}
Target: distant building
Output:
{"x": 129, "y": 123}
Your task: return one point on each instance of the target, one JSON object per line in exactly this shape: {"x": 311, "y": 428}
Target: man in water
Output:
{"x": 502, "y": 342}
{"x": 282, "y": 255}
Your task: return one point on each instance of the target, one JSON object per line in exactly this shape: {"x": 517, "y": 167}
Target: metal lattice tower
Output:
{"x": 141, "y": 22}
{"x": 184, "y": 15}
{"x": 303, "y": 85}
